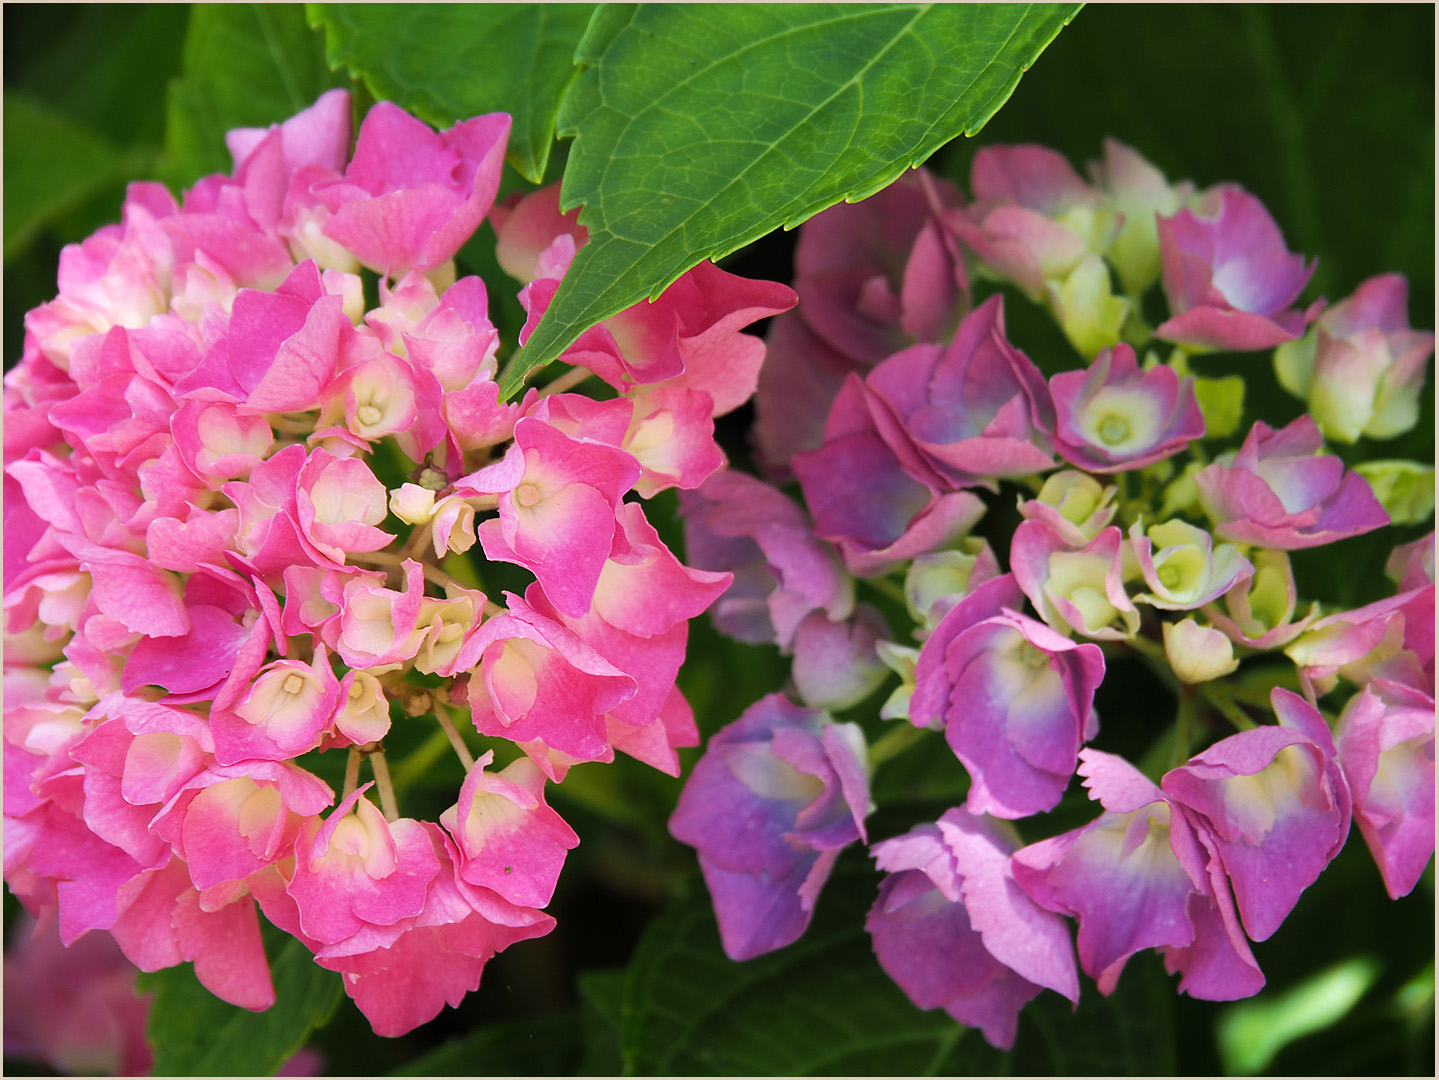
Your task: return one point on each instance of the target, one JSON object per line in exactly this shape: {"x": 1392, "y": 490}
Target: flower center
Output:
{"x": 294, "y": 683}
{"x": 527, "y": 495}
{"x": 1113, "y": 430}
{"x": 368, "y": 415}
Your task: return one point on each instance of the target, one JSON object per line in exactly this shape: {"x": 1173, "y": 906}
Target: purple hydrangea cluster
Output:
{"x": 256, "y": 471}
{"x": 892, "y": 399}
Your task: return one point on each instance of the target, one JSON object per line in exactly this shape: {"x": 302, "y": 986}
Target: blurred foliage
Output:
{"x": 1325, "y": 112}
{"x": 244, "y": 65}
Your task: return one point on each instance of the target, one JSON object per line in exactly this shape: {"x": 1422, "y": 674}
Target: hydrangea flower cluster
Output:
{"x": 1134, "y": 540}
{"x": 254, "y": 453}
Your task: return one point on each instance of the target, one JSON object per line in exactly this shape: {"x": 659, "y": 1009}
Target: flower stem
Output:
{"x": 352, "y": 772}
{"x": 568, "y": 381}
{"x": 893, "y": 589}
{"x": 1223, "y": 702}
{"x": 381, "y": 769}
{"x": 448, "y": 727}
{"x": 1156, "y": 660}
{"x": 895, "y": 742}
{"x": 416, "y": 542}
{"x": 1183, "y": 727}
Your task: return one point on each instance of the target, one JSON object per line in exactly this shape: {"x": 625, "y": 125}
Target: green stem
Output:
{"x": 892, "y": 589}
{"x": 1155, "y": 658}
{"x": 1183, "y": 727}
{"x": 1227, "y": 707}
{"x": 895, "y": 742}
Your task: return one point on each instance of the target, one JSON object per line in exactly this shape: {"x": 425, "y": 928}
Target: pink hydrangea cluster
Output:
{"x": 256, "y": 473}
{"x": 1132, "y": 542}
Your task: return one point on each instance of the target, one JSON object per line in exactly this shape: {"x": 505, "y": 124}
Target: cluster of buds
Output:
{"x": 1135, "y": 541}
{"x": 254, "y": 452}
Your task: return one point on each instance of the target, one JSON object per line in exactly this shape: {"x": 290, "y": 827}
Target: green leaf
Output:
{"x": 194, "y": 1033}
{"x": 1252, "y": 1032}
{"x": 822, "y": 1005}
{"x": 446, "y": 63}
{"x": 541, "y": 1046}
{"x": 245, "y": 65}
{"x": 701, "y": 128}
{"x": 1129, "y": 1033}
{"x": 602, "y": 994}
{"x": 54, "y": 165}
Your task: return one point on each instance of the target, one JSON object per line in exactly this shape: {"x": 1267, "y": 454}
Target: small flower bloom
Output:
{"x": 1144, "y": 875}
{"x": 509, "y": 838}
{"x": 1411, "y": 566}
{"x": 775, "y": 797}
{"x": 1258, "y": 611}
{"x": 1075, "y": 590}
{"x": 539, "y": 685}
{"x": 363, "y": 715}
{"x": 404, "y": 977}
{"x": 1090, "y": 315}
{"x": 410, "y": 197}
{"x": 872, "y": 493}
{"x": 1015, "y": 698}
{"x": 558, "y": 499}
{"x": 953, "y": 930}
{"x": 356, "y": 873}
{"x": 977, "y": 408}
{"x": 1386, "y": 748}
{"x": 1139, "y": 192}
{"x": 1228, "y": 276}
{"x": 835, "y": 664}
{"x": 734, "y": 522}
{"x": 1359, "y": 369}
{"x": 1198, "y": 653}
{"x": 1073, "y": 504}
{"x": 1033, "y": 218}
{"x": 1391, "y": 638}
{"x": 936, "y": 581}
{"x": 1113, "y": 418}
{"x": 1277, "y": 805}
{"x": 1278, "y": 491}
{"x": 1182, "y": 567}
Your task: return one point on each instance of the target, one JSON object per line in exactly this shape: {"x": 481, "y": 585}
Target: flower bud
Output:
{"x": 412, "y": 504}
{"x": 1086, "y": 307}
{"x": 1197, "y": 653}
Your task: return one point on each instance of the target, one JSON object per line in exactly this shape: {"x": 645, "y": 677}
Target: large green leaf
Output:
{"x": 53, "y": 166}
{"x": 194, "y": 1033}
{"x": 245, "y": 65}
{"x": 701, "y": 128}
{"x": 446, "y": 62}
{"x": 823, "y": 1006}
